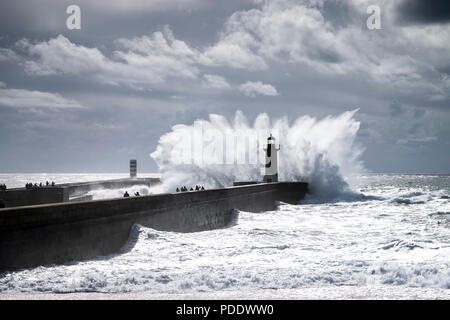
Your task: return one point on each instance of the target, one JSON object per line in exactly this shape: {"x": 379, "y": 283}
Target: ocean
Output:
{"x": 387, "y": 238}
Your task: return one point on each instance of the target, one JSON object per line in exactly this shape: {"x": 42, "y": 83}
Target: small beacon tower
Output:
{"x": 271, "y": 170}
{"x": 133, "y": 167}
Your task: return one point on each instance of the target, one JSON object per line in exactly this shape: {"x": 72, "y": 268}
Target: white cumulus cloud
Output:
{"x": 413, "y": 59}
{"x": 251, "y": 89}
{"x": 144, "y": 62}
{"x": 215, "y": 82}
{"x": 21, "y": 98}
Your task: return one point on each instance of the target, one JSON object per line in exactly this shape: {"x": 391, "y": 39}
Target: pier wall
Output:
{"x": 33, "y": 196}
{"x": 81, "y": 188}
{"x": 57, "y": 233}
{"x": 63, "y": 192}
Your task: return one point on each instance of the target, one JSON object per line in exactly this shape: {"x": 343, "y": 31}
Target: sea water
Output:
{"x": 396, "y": 234}
{"x": 355, "y": 235}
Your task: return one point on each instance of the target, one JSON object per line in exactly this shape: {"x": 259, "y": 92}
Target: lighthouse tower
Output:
{"x": 271, "y": 170}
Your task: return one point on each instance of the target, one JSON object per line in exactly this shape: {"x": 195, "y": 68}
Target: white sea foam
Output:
{"x": 366, "y": 243}
{"x": 387, "y": 231}
{"x": 118, "y": 193}
{"x": 321, "y": 152}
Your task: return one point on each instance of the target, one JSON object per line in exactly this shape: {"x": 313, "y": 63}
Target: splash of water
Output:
{"x": 321, "y": 152}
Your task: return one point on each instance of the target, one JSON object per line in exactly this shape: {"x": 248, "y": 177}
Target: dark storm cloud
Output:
{"x": 104, "y": 21}
{"x": 324, "y": 67}
{"x": 424, "y": 11}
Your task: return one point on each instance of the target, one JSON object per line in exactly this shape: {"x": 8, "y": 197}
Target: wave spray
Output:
{"x": 216, "y": 152}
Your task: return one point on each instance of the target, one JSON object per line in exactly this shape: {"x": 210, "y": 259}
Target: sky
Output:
{"x": 90, "y": 99}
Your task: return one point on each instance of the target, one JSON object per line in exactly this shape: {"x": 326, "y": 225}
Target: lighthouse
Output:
{"x": 133, "y": 168}
{"x": 271, "y": 170}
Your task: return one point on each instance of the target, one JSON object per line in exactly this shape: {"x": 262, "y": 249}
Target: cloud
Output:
{"x": 297, "y": 33}
{"x": 162, "y": 52}
{"x": 424, "y": 11}
{"x": 137, "y": 6}
{"x": 417, "y": 140}
{"x": 144, "y": 62}
{"x": 215, "y": 82}
{"x": 233, "y": 51}
{"x": 251, "y": 89}
{"x": 284, "y": 31}
{"x": 418, "y": 132}
{"x": 323, "y": 47}
{"x": 20, "y": 98}
{"x": 7, "y": 54}
{"x": 412, "y": 59}
{"x": 60, "y": 56}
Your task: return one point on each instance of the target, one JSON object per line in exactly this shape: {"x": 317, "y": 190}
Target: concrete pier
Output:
{"x": 80, "y": 188}
{"x": 64, "y": 192}
{"x": 56, "y": 233}
{"x": 33, "y": 196}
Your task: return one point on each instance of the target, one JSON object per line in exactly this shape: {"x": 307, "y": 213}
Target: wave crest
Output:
{"x": 321, "y": 152}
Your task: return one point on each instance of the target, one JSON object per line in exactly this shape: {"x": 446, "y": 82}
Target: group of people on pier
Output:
{"x": 30, "y": 185}
{"x": 3, "y": 187}
{"x": 184, "y": 189}
{"x": 181, "y": 189}
{"x": 126, "y": 194}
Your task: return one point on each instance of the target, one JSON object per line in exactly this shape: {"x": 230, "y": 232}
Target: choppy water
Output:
{"x": 393, "y": 232}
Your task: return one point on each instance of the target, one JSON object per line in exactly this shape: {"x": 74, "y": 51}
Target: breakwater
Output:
{"x": 80, "y": 188}
{"x": 56, "y": 233}
{"x": 33, "y": 196}
{"x": 66, "y": 191}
